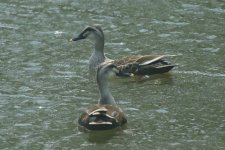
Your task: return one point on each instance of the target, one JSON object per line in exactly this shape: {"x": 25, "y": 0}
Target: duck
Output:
{"x": 135, "y": 64}
{"x": 106, "y": 114}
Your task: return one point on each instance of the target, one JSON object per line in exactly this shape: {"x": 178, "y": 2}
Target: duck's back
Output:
{"x": 102, "y": 117}
{"x": 143, "y": 64}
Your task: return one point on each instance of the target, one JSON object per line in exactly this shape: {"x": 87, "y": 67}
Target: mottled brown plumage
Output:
{"x": 102, "y": 117}
{"x": 136, "y": 64}
{"x": 143, "y": 64}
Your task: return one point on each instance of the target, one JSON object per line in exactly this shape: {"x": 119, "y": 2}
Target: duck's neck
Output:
{"x": 105, "y": 94}
{"x": 99, "y": 44}
{"x": 98, "y": 55}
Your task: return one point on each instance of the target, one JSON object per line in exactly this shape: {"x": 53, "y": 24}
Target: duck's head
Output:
{"x": 93, "y": 32}
{"x": 107, "y": 70}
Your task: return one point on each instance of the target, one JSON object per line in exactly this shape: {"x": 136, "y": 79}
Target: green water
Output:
{"x": 45, "y": 82}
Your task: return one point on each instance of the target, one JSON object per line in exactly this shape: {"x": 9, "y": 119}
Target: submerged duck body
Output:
{"x": 106, "y": 114}
{"x": 135, "y": 64}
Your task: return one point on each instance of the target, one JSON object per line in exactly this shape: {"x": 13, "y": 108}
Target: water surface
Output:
{"x": 45, "y": 82}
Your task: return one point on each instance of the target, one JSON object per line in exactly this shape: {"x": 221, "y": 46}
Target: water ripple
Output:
{"x": 170, "y": 23}
{"x": 9, "y": 26}
{"x": 201, "y": 73}
{"x": 212, "y": 49}
{"x": 217, "y": 10}
{"x": 190, "y": 6}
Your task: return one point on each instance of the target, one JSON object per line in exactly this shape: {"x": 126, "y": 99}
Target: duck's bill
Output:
{"x": 78, "y": 37}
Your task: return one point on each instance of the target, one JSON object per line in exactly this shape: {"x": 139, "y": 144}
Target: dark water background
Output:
{"x": 45, "y": 83}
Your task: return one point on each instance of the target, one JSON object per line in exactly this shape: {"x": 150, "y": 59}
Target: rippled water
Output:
{"x": 45, "y": 83}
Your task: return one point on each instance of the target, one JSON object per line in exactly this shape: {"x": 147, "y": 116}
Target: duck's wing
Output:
{"x": 144, "y": 64}
{"x": 102, "y": 117}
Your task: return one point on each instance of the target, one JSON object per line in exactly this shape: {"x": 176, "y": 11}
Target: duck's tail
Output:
{"x": 154, "y": 66}
{"x": 101, "y": 119}
{"x": 150, "y": 69}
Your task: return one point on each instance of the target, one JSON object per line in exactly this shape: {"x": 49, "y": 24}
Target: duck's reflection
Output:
{"x": 103, "y": 136}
